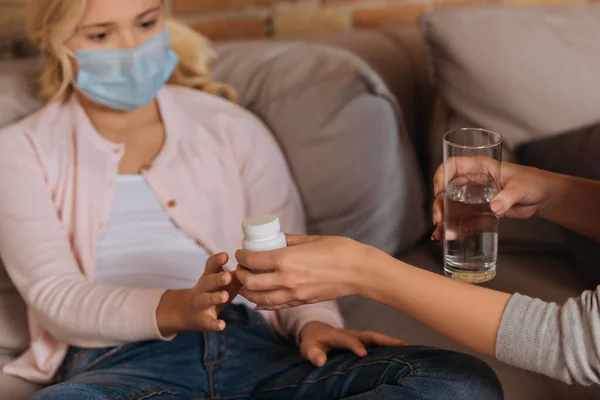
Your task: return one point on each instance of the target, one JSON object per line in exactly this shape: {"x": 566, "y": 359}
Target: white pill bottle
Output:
{"x": 262, "y": 233}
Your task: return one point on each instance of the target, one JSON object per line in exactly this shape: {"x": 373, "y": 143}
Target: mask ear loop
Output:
{"x": 73, "y": 56}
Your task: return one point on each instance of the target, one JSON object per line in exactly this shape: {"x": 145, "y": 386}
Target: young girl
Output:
{"x": 116, "y": 194}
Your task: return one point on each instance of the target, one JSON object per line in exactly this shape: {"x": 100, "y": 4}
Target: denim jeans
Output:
{"x": 250, "y": 361}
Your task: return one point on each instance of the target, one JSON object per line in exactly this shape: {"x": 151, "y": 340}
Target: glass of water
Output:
{"x": 472, "y": 160}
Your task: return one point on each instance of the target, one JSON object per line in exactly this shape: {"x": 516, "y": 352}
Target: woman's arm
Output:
{"x": 562, "y": 342}
{"x": 574, "y": 203}
{"x": 37, "y": 256}
{"x": 468, "y": 314}
{"x": 315, "y": 269}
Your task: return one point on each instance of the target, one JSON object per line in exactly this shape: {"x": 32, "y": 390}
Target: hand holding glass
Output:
{"x": 472, "y": 160}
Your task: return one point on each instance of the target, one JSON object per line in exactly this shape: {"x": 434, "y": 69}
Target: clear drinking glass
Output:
{"x": 472, "y": 160}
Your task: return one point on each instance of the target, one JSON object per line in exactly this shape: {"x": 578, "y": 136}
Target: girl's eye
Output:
{"x": 148, "y": 24}
{"x": 98, "y": 37}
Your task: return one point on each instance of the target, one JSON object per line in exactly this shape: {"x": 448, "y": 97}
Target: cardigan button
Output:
{"x": 145, "y": 168}
{"x": 171, "y": 203}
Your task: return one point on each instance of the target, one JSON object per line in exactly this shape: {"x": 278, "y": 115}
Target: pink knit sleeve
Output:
{"x": 36, "y": 253}
{"x": 270, "y": 189}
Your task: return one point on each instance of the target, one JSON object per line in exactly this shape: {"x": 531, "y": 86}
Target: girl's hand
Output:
{"x": 197, "y": 309}
{"x": 318, "y": 339}
{"x": 311, "y": 270}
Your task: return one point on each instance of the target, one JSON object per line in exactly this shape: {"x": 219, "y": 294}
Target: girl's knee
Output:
{"x": 445, "y": 374}
{"x": 459, "y": 376}
{"x": 114, "y": 390}
{"x": 67, "y": 390}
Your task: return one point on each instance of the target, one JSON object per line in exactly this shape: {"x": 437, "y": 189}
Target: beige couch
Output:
{"x": 535, "y": 258}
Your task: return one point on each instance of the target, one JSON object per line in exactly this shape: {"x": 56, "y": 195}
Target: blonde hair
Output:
{"x": 51, "y": 23}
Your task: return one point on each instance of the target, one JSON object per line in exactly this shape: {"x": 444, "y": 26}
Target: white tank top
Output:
{"x": 141, "y": 247}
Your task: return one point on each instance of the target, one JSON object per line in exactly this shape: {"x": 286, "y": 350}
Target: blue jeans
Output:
{"x": 250, "y": 361}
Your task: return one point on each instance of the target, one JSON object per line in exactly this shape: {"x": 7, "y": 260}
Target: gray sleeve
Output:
{"x": 562, "y": 342}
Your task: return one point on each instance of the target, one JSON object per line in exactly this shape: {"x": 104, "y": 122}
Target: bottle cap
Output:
{"x": 261, "y": 225}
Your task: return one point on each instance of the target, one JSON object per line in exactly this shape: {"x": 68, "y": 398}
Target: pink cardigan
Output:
{"x": 219, "y": 165}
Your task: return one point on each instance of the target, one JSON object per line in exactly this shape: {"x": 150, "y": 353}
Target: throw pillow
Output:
{"x": 523, "y": 72}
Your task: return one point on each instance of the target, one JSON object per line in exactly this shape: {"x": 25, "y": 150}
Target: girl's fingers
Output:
{"x": 209, "y": 324}
{"x": 213, "y": 282}
{"x": 206, "y": 300}
{"x": 215, "y": 263}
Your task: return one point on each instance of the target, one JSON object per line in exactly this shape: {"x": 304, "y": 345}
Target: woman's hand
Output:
{"x": 312, "y": 269}
{"x": 197, "y": 309}
{"x": 318, "y": 339}
{"x": 525, "y": 191}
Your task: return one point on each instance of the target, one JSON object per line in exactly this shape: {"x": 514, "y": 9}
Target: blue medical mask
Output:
{"x": 126, "y": 79}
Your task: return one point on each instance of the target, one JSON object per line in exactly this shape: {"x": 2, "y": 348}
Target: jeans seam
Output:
{"x": 324, "y": 377}
{"x": 210, "y": 373}
{"x": 411, "y": 374}
{"x": 207, "y": 367}
{"x": 146, "y": 394}
{"x": 217, "y": 394}
{"x": 68, "y": 366}
{"x": 223, "y": 353}
{"x": 106, "y": 356}
{"x": 210, "y": 366}
{"x": 215, "y": 368}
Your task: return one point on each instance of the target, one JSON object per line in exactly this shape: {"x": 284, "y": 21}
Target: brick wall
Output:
{"x": 235, "y": 19}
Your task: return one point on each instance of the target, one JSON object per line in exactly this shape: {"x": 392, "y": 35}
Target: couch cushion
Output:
{"x": 18, "y": 89}
{"x": 14, "y": 335}
{"x": 523, "y": 72}
{"x": 575, "y": 153}
{"x": 342, "y": 133}
{"x": 399, "y": 56}
{"x": 14, "y": 388}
